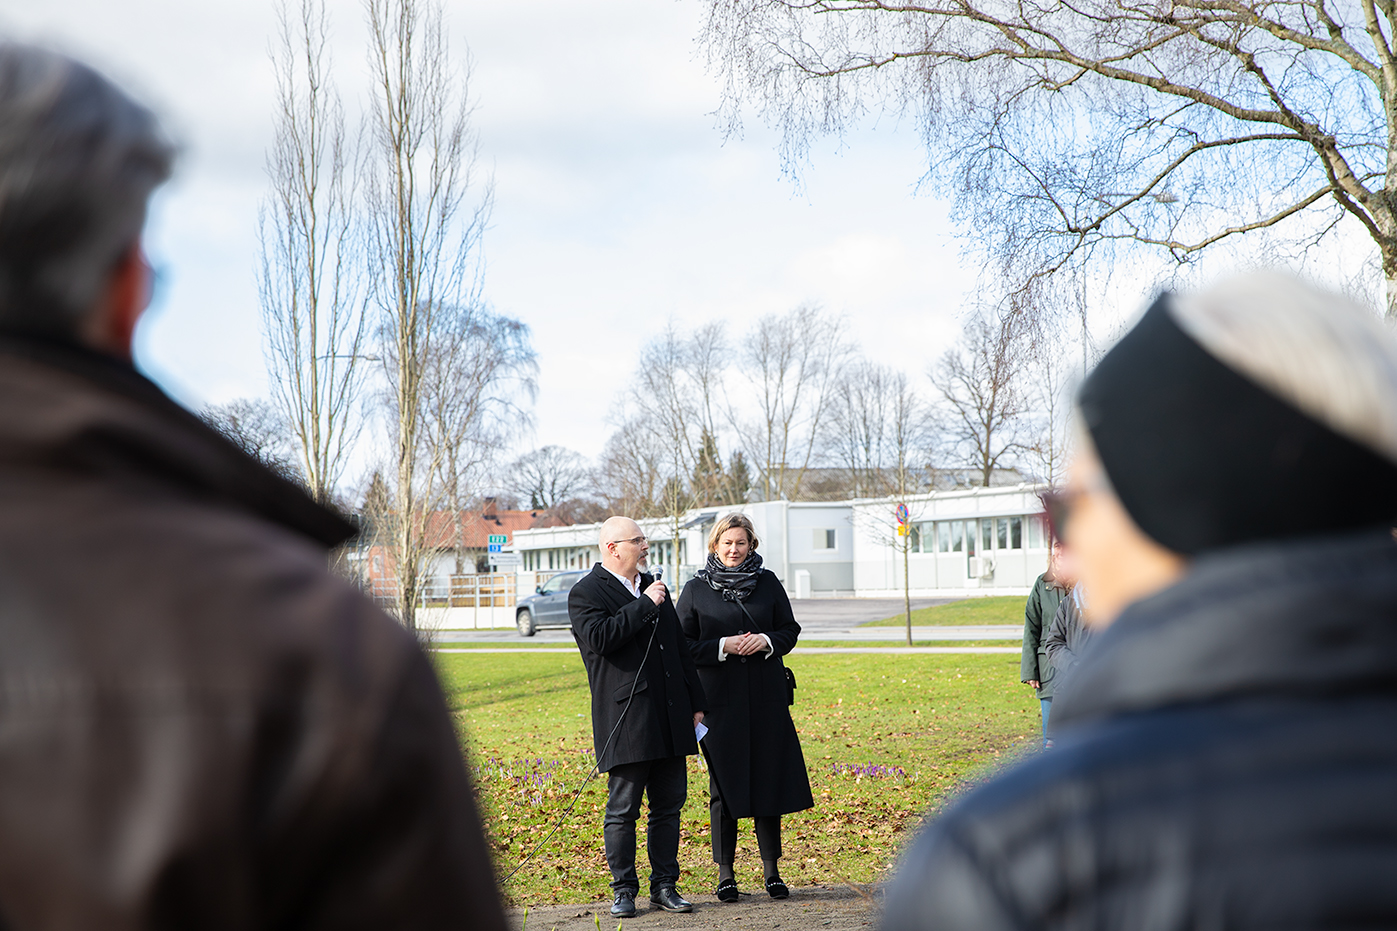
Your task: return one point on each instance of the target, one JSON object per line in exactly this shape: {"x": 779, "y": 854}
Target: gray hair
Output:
{"x": 78, "y": 162}
{"x": 1317, "y": 350}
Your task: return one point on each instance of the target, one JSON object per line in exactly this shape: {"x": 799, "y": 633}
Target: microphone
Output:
{"x": 658, "y": 576}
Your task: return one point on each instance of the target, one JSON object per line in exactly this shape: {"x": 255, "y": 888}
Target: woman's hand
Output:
{"x": 744, "y": 644}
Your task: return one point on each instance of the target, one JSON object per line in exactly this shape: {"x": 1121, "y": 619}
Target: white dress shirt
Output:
{"x": 632, "y": 585}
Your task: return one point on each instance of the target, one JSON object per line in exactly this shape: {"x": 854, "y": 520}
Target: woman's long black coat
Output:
{"x": 751, "y": 745}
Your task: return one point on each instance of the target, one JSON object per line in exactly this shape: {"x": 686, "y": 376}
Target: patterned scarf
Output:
{"x": 734, "y": 583}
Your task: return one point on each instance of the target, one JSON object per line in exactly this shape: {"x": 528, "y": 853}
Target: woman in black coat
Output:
{"x": 739, "y": 624}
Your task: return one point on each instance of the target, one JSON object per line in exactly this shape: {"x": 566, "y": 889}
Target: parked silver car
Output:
{"x": 548, "y": 606}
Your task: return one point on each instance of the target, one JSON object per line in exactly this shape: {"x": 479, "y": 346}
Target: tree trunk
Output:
{"x": 1389, "y": 274}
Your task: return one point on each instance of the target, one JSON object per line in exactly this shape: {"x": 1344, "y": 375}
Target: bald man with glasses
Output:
{"x": 646, "y": 703}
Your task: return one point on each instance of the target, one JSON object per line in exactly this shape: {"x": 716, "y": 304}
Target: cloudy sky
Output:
{"x": 619, "y": 205}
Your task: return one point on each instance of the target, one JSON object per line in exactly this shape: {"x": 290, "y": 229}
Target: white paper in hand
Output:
{"x": 700, "y": 729}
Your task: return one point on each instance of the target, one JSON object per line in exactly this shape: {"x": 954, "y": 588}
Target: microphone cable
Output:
{"x": 654, "y": 629}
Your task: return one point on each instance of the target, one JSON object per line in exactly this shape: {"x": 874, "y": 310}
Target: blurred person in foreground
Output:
{"x": 739, "y": 624}
{"x": 1035, "y": 670}
{"x": 1225, "y": 754}
{"x": 646, "y": 704}
{"x": 200, "y": 724}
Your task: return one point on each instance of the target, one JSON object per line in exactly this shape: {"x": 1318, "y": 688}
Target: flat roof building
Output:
{"x": 963, "y": 541}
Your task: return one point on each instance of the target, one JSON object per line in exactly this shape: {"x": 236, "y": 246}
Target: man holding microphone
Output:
{"x": 646, "y": 703}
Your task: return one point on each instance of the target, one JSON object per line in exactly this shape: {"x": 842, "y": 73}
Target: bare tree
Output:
{"x": 632, "y": 470}
{"x": 260, "y": 429}
{"x": 858, "y": 427}
{"x": 427, "y": 220}
{"x": 792, "y": 361}
{"x": 479, "y": 379}
{"x": 1069, "y": 131}
{"x": 1050, "y": 374}
{"x": 311, "y": 308}
{"x": 549, "y": 476}
{"x": 679, "y": 380}
{"x": 981, "y": 396}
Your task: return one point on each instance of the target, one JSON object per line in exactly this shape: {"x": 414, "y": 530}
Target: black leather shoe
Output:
{"x": 776, "y": 888}
{"x": 668, "y": 898}
{"x": 727, "y": 891}
{"x": 624, "y": 906}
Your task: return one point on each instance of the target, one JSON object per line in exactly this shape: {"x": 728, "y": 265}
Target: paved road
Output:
{"x": 820, "y": 619}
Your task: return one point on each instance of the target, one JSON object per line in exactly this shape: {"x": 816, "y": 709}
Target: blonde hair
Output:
{"x": 724, "y": 524}
{"x": 1315, "y": 349}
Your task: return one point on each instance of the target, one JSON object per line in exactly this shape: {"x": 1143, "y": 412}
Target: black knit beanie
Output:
{"x": 1202, "y": 457}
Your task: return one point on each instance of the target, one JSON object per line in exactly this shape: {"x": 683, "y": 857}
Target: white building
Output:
{"x": 977, "y": 540}
{"x": 967, "y": 541}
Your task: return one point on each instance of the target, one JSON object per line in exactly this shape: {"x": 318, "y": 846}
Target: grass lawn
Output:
{"x": 886, "y": 738}
{"x": 1000, "y": 609}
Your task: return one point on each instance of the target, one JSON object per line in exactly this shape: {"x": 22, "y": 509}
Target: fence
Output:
{"x": 480, "y": 590}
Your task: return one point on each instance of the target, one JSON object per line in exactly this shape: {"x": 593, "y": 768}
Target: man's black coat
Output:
{"x": 612, "y": 628}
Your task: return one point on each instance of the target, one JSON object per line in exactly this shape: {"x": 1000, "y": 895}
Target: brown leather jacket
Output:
{"x": 200, "y": 726}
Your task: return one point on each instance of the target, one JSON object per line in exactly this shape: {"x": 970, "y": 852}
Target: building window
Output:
{"x": 986, "y": 535}
{"x": 1016, "y": 533}
{"x": 824, "y": 539}
{"x": 1035, "y": 533}
{"x": 1002, "y": 532}
{"x": 924, "y": 538}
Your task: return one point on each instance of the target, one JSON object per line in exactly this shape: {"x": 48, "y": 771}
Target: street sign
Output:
{"x": 902, "y": 514}
{"x": 496, "y": 547}
{"x": 497, "y": 538}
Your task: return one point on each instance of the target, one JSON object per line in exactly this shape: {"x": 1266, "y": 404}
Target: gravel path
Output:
{"x": 836, "y": 908}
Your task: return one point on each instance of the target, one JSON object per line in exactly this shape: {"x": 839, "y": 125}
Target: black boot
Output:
{"x": 669, "y": 899}
{"x": 624, "y": 905}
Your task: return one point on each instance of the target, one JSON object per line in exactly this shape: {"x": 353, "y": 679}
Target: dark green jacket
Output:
{"x": 1038, "y": 620}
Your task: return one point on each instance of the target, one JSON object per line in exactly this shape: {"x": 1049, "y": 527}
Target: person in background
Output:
{"x": 1034, "y": 668}
{"x": 1068, "y": 637}
{"x": 738, "y": 623}
{"x": 201, "y": 725}
{"x": 646, "y": 703}
{"x": 1224, "y": 752}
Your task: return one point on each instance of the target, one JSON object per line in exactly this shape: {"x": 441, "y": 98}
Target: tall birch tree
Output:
{"x": 427, "y": 209}
{"x": 312, "y": 310}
